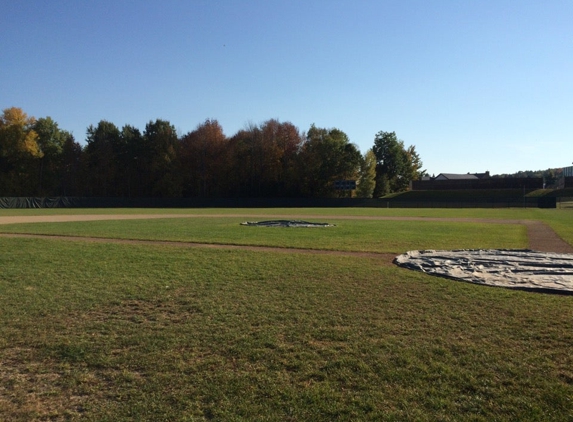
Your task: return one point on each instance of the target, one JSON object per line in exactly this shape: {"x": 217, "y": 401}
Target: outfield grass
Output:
{"x": 188, "y": 230}
{"x": 108, "y": 332}
{"x": 488, "y": 213}
{"x": 347, "y": 235}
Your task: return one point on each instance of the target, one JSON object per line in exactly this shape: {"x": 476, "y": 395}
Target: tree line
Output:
{"x": 551, "y": 176}
{"x": 272, "y": 159}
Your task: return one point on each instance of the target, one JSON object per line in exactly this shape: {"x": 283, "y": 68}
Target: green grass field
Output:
{"x": 116, "y": 332}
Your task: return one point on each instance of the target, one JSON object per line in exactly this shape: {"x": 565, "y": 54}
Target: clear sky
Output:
{"x": 474, "y": 85}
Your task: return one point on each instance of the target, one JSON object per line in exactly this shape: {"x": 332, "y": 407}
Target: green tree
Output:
{"x": 160, "y": 139}
{"x": 396, "y": 166}
{"x": 72, "y": 173}
{"x": 367, "y": 179}
{"x": 136, "y": 158}
{"x": 51, "y": 140}
{"x": 102, "y": 159}
{"x": 326, "y": 156}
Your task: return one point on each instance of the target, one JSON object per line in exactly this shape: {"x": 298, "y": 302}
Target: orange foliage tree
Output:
{"x": 18, "y": 151}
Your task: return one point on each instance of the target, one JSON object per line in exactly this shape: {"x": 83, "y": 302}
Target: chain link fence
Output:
{"x": 70, "y": 202}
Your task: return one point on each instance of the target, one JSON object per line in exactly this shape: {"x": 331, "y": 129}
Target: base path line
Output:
{"x": 386, "y": 257}
{"x": 544, "y": 239}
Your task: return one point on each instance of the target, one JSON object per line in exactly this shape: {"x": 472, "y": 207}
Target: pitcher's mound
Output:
{"x": 517, "y": 269}
{"x": 285, "y": 223}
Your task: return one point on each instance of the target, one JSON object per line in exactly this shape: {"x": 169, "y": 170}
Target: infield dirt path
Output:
{"x": 541, "y": 236}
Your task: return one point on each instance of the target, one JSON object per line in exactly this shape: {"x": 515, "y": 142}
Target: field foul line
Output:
{"x": 386, "y": 257}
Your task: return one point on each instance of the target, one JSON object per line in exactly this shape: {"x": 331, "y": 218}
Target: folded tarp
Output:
{"x": 517, "y": 269}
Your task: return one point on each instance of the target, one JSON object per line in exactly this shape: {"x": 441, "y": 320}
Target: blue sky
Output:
{"x": 474, "y": 85}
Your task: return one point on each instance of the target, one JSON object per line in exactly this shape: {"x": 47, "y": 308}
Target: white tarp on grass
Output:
{"x": 518, "y": 269}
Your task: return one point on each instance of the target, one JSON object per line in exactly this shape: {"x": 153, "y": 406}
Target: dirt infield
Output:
{"x": 541, "y": 237}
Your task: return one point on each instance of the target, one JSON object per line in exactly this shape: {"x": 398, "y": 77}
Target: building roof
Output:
{"x": 452, "y": 176}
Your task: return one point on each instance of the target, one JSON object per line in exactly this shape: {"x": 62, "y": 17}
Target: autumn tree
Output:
{"x": 264, "y": 159}
{"x": 19, "y": 151}
{"x": 283, "y": 142}
{"x": 246, "y": 163}
{"x": 414, "y": 169}
{"x": 203, "y": 159}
